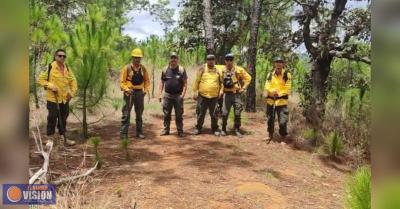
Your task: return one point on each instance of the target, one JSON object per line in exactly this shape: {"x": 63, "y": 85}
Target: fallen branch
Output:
{"x": 40, "y": 175}
{"x": 71, "y": 178}
{"x": 42, "y": 172}
{"x": 77, "y": 155}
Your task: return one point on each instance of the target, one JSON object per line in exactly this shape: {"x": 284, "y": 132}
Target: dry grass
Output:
{"x": 81, "y": 195}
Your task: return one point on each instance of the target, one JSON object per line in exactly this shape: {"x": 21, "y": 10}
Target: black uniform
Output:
{"x": 174, "y": 81}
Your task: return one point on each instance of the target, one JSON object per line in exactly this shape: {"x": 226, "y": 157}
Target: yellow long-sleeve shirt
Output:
{"x": 278, "y": 84}
{"x": 126, "y": 78}
{"x": 239, "y": 74}
{"x": 208, "y": 82}
{"x": 64, "y": 81}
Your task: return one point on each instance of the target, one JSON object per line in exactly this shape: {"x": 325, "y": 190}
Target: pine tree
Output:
{"x": 91, "y": 43}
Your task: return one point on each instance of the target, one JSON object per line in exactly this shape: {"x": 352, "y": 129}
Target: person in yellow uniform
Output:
{"x": 60, "y": 84}
{"x": 206, "y": 91}
{"x": 135, "y": 83}
{"x": 277, "y": 90}
{"x": 235, "y": 82}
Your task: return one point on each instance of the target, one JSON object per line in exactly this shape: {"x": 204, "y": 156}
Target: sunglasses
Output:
{"x": 229, "y": 60}
{"x": 61, "y": 56}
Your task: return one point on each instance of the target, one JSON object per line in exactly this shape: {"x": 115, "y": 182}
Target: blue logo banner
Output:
{"x": 25, "y": 194}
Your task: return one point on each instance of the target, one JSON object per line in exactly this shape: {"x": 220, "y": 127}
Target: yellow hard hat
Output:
{"x": 137, "y": 53}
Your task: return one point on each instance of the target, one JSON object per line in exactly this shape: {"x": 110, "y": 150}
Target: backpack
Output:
{"x": 202, "y": 69}
{"x": 285, "y": 76}
{"x": 228, "y": 79}
{"x": 141, "y": 72}
{"x": 49, "y": 69}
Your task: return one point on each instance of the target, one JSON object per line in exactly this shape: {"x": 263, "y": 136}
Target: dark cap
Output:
{"x": 278, "y": 59}
{"x": 229, "y": 55}
{"x": 210, "y": 57}
{"x": 174, "y": 54}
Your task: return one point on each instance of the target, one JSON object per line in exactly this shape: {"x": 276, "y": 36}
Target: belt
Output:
{"x": 281, "y": 97}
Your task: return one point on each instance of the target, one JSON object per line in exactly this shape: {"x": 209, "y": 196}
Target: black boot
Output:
{"x": 164, "y": 132}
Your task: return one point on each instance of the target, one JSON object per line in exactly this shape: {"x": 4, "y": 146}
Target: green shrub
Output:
{"x": 124, "y": 144}
{"x": 117, "y": 103}
{"x": 95, "y": 141}
{"x": 359, "y": 189}
{"x": 334, "y": 144}
{"x": 312, "y": 135}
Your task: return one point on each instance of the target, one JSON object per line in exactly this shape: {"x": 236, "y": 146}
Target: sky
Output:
{"x": 143, "y": 24}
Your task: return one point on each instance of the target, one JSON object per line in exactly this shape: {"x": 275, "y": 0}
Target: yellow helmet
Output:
{"x": 137, "y": 53}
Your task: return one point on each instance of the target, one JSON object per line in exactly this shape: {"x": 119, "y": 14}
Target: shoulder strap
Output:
{"x": 129, "y": 69}
{"x": 220, "y": 77}
{"x": 48, "y": 71}
{"x": 165, "y": 69}
{"x": 285, "y": 76}
{"x": 202, "y": 69}
{"x": 51, "y": 67}
{"x": 142, "y": 69}
{"x": 269, "y": 76}
{"x": 181, "y": 69}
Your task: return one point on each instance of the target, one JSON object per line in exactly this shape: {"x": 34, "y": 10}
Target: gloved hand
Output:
{"x": 128, "y": 92}
{"x": 275, "y": 93}
{"x": 52, "y": 87}
{"x": 69, "y": 97}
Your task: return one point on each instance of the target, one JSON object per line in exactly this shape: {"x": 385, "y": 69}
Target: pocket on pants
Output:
{"x": 238, "y": 108}
{"x": 284, "y": 115}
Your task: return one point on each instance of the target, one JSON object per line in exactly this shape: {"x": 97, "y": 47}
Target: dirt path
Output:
{"x": 206, "y": 172}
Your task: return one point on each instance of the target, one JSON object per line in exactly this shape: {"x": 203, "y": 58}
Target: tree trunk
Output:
{"x": 84, "y": 118}
{"x": 319, "y": 76}
{"x": 208, "y": 27}
{"x": 34, "y": 85}
{"x": 255, "y": 23}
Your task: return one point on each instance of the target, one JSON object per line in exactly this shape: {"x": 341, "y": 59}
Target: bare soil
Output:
{"x": 199, "y": 172}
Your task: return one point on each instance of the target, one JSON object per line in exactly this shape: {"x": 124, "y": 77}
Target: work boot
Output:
{"x": 50, "y": 138}
{"x": 140, "y": 136}
{"x": 286, "y": 138}
{"x": 196, "y": 132}
{"x": 223, "y": 132}
{"x": 164, "y": 132}
{"x": 238, "y": 134}
{"x": 68, "y": 142}
{"x": 269, "y": 138}
{"x": 180, "y": 134}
